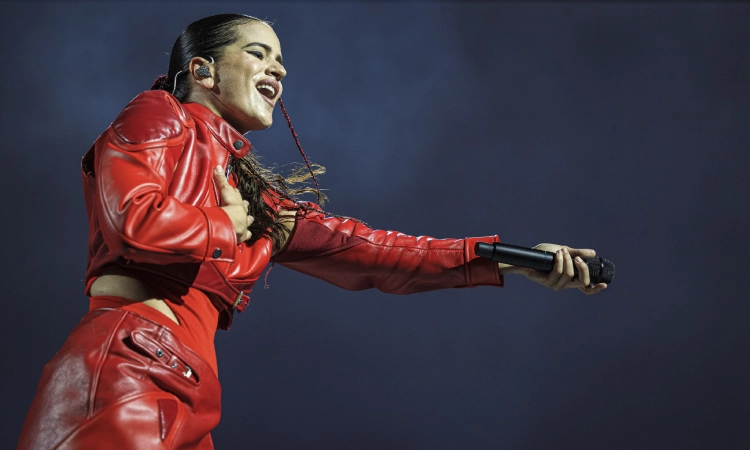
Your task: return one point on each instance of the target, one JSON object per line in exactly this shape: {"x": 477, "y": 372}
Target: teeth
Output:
{"x": 270, "y": 88}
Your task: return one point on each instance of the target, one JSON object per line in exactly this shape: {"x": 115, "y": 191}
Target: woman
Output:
{"x": 183, "y": 221}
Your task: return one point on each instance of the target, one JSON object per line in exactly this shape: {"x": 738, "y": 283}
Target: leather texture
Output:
{"x": 153, "y": 207}
{"x": 152, "y": 202}
{"x": 124, "y": 382}
{"x": 349, "y": 254}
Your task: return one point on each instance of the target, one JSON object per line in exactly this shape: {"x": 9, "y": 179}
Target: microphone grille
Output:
{"x": 600, "y": 270}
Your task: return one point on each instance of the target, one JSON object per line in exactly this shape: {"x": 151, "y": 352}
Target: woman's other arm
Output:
{"x": 138, "y": 218}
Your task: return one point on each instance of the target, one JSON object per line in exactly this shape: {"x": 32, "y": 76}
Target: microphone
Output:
{"x": 600, "y": 270}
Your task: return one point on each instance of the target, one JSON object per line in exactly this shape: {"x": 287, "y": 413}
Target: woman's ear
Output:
{"x": 202, "y": 71}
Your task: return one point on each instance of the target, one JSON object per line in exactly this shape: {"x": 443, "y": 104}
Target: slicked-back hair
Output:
{"x": 207, "y": 38}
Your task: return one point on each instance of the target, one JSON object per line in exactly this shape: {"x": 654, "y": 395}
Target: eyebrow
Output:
{"x": 279, "y": 58}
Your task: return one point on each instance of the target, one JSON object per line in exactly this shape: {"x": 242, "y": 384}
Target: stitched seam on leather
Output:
{"x": 107, "y": 215}
{"x": 395, "y": 246}
{"x": 431, "y": 249}
{"x": 132, "y": 146}
{"x": 99, "y": 365}
{"x": 146, "y": 145}
{"x": 160, "y": 166}
{"x": 108, "y": 407}
{"x": 183, "y": 115}
{"x": 176, "y": 109}
{"x": 355, "y": 241}
{"x": 363, "y": 240}
{"x": 214, "y": 134}
{"x": 210, "y": 226}
{"x": 208, "y": 232}
{"x": 223, "y": 279}
{"x": 177, "y": 424}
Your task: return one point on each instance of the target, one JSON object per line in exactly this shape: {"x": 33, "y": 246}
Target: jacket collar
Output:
{"x": 230, "y": 138}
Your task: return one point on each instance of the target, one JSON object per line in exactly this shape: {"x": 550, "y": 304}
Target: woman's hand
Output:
{"x": 233, "y": 204}
{"x": 561, "y": 276}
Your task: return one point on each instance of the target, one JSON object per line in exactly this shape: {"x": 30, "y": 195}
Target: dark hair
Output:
{"x": 258, "y": 185}
{"x": 206, "y": 38}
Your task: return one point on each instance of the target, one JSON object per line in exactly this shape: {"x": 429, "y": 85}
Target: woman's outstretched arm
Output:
{"x": 351, "y": 255}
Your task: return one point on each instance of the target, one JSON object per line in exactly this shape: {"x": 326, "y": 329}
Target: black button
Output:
{"x": 217, "y": 253}
{"x": 237, "y": 145}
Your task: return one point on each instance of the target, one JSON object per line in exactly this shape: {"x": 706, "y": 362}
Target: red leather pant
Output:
{"x": 122, "y": 381}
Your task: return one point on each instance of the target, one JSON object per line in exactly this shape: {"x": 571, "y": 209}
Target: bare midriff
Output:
{"x": 190, "y": 316}
{"x": 120, "y": 285}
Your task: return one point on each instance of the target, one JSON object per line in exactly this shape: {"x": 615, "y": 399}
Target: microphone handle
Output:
{"x": 600, "y": 270}
{"x": 517, "y": 256}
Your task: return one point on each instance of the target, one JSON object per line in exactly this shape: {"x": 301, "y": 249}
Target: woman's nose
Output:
{"x": 276, "y": 70}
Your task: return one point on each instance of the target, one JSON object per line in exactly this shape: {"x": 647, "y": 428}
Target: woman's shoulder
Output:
{"x": 151, "y": 116}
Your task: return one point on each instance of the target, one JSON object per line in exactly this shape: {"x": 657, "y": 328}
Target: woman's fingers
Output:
{"x": 583, "y": 252}
{"x": 588, "y": 290}
{"x": 234, "y": 205}
{"x": 562, "y": 275}
{"x": 565, "y": 271}
{"x": 220, "y": 179}
{"x": 583, "y": 272}
{"x": 229, "y": 195}
{"x": 246, "y": 234}
{"x": 557, "y": 277}
{"x": 559, "y": 264}
{"x": 569, "y": 269}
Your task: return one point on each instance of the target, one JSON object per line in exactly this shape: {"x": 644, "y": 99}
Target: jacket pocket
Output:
{"x": 167, "y": 360}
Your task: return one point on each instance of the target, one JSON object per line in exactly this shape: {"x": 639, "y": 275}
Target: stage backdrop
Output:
{"x": 616, "y": 126}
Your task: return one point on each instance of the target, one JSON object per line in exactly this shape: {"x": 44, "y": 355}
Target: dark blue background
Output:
{"x": 617, "y": 126}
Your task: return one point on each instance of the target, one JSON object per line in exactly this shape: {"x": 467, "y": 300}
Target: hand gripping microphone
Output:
{"x": 600, "y": 270}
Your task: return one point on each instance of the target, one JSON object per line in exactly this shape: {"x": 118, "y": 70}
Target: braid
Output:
{"x": 296, "y": 141}
{"x": 263, "y": 189}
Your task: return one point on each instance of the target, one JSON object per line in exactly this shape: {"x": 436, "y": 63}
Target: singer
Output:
{"x": 183, "y": 221}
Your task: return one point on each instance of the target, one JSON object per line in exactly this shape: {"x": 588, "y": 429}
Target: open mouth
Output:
{"x": 268, "y": 89}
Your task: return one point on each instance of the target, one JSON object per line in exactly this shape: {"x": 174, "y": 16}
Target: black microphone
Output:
{"x": 600, "y": 270}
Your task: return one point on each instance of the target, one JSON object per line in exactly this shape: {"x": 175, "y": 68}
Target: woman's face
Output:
{"x": 247, "y": 78}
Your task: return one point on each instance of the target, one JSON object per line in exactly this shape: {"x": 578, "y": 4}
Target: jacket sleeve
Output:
{"x": 134, "y": 160}
{"x": 349, "y": 254}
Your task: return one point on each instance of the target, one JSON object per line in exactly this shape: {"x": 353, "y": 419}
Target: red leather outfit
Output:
{"x": 153, "y": 210}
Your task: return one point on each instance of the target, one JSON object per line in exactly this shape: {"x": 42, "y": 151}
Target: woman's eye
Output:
{"x": 259, "y": 55}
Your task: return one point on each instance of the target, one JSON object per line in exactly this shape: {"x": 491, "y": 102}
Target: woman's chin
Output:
{"x": 258, "y": 126}
{"x": 261, "y": 123}
{"x": 252, "y": 124}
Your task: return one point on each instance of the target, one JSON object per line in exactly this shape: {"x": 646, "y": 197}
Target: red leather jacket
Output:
{"x": 152, "y": 206}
